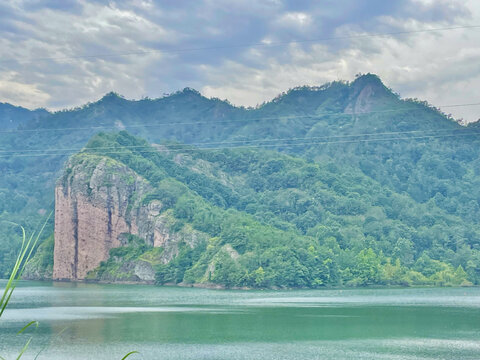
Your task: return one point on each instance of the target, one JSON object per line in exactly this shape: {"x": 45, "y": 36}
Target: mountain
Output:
{"x": 12, "y": 117}
{"x": 243, "y": 218}
{"x": 405, "y": 146}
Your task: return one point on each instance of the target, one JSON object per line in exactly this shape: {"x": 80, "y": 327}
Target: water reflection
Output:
{"x": 107, "y": 321}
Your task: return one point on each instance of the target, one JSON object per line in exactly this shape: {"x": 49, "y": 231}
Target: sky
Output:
{"x": 62, "y": 54}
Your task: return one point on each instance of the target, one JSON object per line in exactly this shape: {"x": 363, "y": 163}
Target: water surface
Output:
{"x": 91, "y": 321}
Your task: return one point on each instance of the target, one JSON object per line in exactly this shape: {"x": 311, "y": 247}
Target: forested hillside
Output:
{"x": 281, "y": 221}
{"x": 372, "y": 177}
{"x": 14, "y": 117}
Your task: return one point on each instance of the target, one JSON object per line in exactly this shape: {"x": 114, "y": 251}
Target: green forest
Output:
{"x": 275, "y": 220}
{"x": 345, "y": 184}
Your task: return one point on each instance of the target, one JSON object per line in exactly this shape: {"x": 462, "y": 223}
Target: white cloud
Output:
{"x": 20, "y": 94}
{"x": 295, "y": 19}
{"x": 56, "y": 57}
{"x": 440, "y": 67}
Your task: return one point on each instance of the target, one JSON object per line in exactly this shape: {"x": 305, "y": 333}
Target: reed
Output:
{"x": 26, "y": 251}
{"x": 23, "y": 257}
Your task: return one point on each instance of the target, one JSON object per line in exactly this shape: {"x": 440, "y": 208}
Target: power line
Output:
{"x": 284, "y": 145}
{"x": 252, "y": 141}
{"x": 262, "y": 44}
{"x": 458, "y": 105}
{"x": 245, "y": 119}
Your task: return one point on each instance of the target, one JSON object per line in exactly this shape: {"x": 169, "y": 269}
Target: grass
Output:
{"x": 24, "y": 256}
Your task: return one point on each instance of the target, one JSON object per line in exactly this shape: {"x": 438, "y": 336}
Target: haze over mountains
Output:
{"x": 12, "y": 117}
{"x": 393, "y": 178}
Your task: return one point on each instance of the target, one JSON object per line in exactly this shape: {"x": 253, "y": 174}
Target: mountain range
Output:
{"x": 342, "y": 184}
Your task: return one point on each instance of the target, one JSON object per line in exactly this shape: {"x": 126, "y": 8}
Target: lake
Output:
{"x": 92, "y": 321}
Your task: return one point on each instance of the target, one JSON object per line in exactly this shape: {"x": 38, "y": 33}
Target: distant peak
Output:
{"x": 186, "y": 94}
{"x": 189, "y": 90}
{"x": 367, "y": 79}
{"x": 111, "y": 96}
{"x": 371, "y": 83}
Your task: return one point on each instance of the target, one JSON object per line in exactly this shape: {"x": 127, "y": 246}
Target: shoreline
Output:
{"x": 212, "y": 286}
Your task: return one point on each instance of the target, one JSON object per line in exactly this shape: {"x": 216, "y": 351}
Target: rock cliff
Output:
{"x": 97, "y": 202}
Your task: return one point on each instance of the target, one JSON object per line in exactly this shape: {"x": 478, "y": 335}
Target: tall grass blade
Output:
{"x": 28, "y": 325}
{"x": 7, "y": 293}
{"x": 130, "y": 353}
{"x": 21, "y": 261}
{"x": 46, "y": 346}
{"x": 25, "y": 347}
{"x": 23, "y": 257}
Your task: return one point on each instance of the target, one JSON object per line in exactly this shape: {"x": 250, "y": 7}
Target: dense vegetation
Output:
{"x": 281, "y": 221}
{"x": 375, "y": 189}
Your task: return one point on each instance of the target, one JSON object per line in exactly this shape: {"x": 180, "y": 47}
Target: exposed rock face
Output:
{"x": 131, "y": 271}
{"x": 84, "y": 234}
{"x": 97, "y": 201}
{"x": 91, "y": 202}
{"x": 368, "y": 91}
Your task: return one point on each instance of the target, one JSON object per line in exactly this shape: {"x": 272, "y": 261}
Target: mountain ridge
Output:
{"x": 404, "y": 145}
{"x": 364, "y": 82}
{"x": 12, "y": 117}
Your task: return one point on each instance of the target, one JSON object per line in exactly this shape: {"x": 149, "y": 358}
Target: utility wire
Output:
{"x": 472, "y": 132}
{"x": 284, "y": 145}
{"x": 245, "y": 119}
{"x": 457, "y": 105}
{"x": 262, "y": 44}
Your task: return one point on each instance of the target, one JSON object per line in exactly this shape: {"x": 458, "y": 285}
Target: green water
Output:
{"x": 107, "y": 321}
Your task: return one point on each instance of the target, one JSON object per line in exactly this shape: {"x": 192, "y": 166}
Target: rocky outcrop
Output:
{"x": 97, "y": 201}
{"x": 91, "y": 202}
{"x": 130, "y": 271}
{"x": 368, "y": 91}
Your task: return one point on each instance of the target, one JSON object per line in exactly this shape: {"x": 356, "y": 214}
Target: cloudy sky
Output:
{"x": 58, "y": 54}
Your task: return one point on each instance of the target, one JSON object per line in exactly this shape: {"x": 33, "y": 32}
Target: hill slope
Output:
{"x": 259, "y": 218}
{"x": 402, "y": 145}
{"x": 13, "y": 117}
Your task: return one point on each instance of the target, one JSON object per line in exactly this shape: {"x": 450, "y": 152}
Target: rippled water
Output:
{"x": 90, "y": 321}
